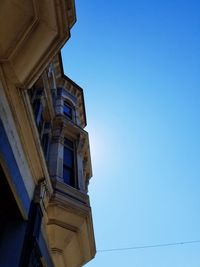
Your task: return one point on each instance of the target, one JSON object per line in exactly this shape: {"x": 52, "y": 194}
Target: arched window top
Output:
{"x": 69, "y": 101}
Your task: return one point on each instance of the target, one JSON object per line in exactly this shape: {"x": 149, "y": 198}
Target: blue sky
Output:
{"x": 139, "y": 62}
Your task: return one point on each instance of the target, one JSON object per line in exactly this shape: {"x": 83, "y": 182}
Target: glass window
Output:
{"x": 45, "y": 143}
{"x": 69, "y": 143}
{"x": 69, "y": 163}
{"x": 68, "y": 176}
{"x": 68, "y": 157}
{"x": 40, "y": 124}
{"x": 36, "y": 107}
{"x": 67, "y": 110}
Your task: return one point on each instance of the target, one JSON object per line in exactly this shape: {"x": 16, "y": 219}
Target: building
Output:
{"x": 45, "y": 164}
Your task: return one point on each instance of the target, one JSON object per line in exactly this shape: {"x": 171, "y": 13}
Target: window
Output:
{"x": 38, "y": 109}
{"x": 44, "y": 127}
{"x": 40, "y": 125}
{"x": 67, "y": 109}
{"x": 45, "y": 144}
{"x": 69, "y": 163}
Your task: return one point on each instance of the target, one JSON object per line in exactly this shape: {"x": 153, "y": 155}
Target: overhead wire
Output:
{"x": 149, "y": 246}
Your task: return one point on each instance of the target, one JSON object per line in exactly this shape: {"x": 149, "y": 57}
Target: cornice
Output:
{"x": 35, "y": 32}
{"x": 70, "y": 86}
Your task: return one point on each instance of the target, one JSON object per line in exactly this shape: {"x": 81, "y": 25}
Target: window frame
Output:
{"x": 73, "y": 169}
{"x": 69, "y": 106}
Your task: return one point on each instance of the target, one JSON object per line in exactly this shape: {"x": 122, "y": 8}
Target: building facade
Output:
{"x": 45, "y": 163}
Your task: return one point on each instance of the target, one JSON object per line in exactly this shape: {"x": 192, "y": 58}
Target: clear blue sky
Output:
{"x": 139, "y": 62}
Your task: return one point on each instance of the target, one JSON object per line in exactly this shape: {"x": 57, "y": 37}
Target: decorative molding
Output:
{"x": 71, "y": 87}
{"x": 35, "y": 32}
{"x": 70, "y": 230}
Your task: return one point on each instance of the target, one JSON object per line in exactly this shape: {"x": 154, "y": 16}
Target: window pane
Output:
{"x": 47, "y": 125}
{"x": 68, "y": 157}
{"x": 39, "y": 92}
{"x": 36, "y": 107}
{"x": 68, "y": 176}
{"x": 68, "y": 111}
{"x": 40, "y": 124}
{"x": 69, "y": 143}
{"x": 45, "y": 142}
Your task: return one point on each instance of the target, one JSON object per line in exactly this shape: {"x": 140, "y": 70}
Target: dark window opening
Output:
{"x": 45, "y": 144}
{"x": 40, "y": 125}
{"x": 12, "y": 225}
{"x": 37, "y": 110}
{"x": 69, "y": 163}
{"x": 67, "y": 109}
{"x": 69, "y": 143}
{"x": 36, "y": 107}
{"x": 8, "y": 206}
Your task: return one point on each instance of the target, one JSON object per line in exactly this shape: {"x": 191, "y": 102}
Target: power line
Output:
{"x": 149, "y": 246}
